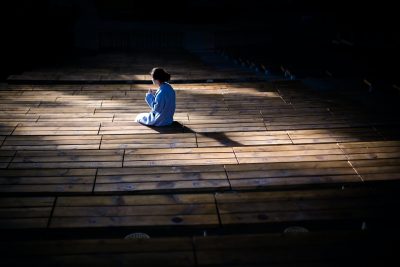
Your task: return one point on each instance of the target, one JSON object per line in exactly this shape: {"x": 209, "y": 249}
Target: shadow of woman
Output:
{"x": 175, "y": 127}
{"x": 178, "y": 127}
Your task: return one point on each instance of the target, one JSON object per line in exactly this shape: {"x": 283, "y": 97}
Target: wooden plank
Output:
{"x": 68, "y": 159}
{"x": 11, "y": 117}
{"x": 302, "y": 249}
{"x": 292, "y": 159}
{"x": 96, "y": 246}
{"x": 70, "y": 153}
{"x": 161, "y": 170}
{"x": 5, "y": 157}
{"x": 317, "y": 205}
{"x": 371, "y": 144}
{"x": 89, "y": 119}
{"x": 286, "y": 166}
{"x": 130, "y": 221}
{"x": 242, "y": 139}
{"x": 179, "y": 157}
{"x": 63, "y": 110}
{"x": 47, "y": 172}
{"x": 291, "y": 172}
{"x": 220, "y": 127}
{"x": 25, "y": 212}
{"x": 288, "y": 153}
{"x": 148, "y": 141}
{"x": 104, "y": 259}
{"x": 378, "y": 169}
{"x": 67, "y": 187}
{"x": 374, "y": 155}
{"x": 47, "y": 180}
{"x": 23, "y": 223}
{"x": 333, "y": 135}
{"x": 155, "y": 151}
{"x": 6, "y": 130}
{"x": 134, "y": 211}
{"x": 293, "y": 181}
{"x": 372, "y": 150}
{"x": 285, "y": 148}
{"x": 72, "y": 130}
{"x": 386, "y": 149}
{"x": 250, "y": 176}
{"x": 134, "y": 200}
{"x": 223, "y": 120}
{"x": 164, "y": 186}
{"x": 180, "y": 162}
{"x": 52, "y": 142}
{"x": 162, "y": 179}
{"x": 139, "y": 177}
{"x": 135, "y": 128}
{"x": 313, "y": 126}
{"x": 101, "y": 252}
{"x": 375, "y": 162}
{"x": 13, "y": 202}
{"x": 189, "y": 156}
{"x": 70, "y": 164}
{"x": 116, "y": 138}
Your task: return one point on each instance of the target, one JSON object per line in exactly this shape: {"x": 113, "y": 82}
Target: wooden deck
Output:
{"x": 303, "y": 249}
{"x": 129, "y": 67}
{"x": 240, "y": 156}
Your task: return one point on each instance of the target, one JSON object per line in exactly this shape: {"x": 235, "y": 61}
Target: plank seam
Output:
{"x": 291, "y": 140}
{"x": 194, "y": 252}
{"x": 234, "y": 153}
{"x": 101, "y": 140}
{"x": 195, "y": 136}
{"x": 2, "y": 141}
{"x": 280, "y": 96}
{"x": 123, "y": 158}
{"x": 359, "y": 175}
{"x": 349, "y": 162}
{"x": 12, "y": 159}
{"x": 95, "y": 179}
{"x": 227, "y": 178}
{"x": 51, "y": 213}
{"x": 16, "y": 126}
{"x": 265, "y": 125}
{"x": 98, "y": 131}
{"x": 217, "y": 209}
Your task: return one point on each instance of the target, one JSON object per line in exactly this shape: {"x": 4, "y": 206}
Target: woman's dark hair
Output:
{"x": 160, "y": 74}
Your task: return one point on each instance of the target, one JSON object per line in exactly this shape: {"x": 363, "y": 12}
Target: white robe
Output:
{"x": 162, "y": 105}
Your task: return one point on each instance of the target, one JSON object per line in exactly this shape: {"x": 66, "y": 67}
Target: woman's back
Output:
{"x": 164, "y": 108}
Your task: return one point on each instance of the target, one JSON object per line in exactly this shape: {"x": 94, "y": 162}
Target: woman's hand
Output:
{"x": 151, "y": 91}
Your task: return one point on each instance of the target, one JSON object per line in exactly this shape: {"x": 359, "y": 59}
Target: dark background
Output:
{"x": 36, "y": 33}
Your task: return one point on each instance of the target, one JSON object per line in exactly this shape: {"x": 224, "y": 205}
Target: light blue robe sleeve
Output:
{"x": 155, "y": 102}
{"x": 150, "y": 100}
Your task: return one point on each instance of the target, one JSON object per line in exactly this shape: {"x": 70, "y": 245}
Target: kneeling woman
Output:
{"x": 161, "y": 102}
